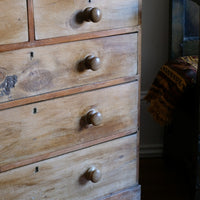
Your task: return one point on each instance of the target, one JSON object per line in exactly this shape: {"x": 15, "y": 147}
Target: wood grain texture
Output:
{"x": 63, "y": 93}
{"x": 71, "y": 38}
{"x": 63, "y": 177}
{"x": 35, "y": 71}
{"x": 47, "y": 144}
{"x": 132, "y": 193}
{"x": 13, "y": 21}
{"x": 31, "y": 25}
{"x": 61, "y": 18}
{"x": 36, "y": 131}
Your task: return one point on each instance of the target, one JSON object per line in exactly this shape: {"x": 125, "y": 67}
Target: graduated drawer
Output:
{"x": 42, "y": 130}
{"x": 63, "y": 18}
{"x": 13, "y": 23}
{"x": 30, "y": 72}
{"x": 64, "y": 177}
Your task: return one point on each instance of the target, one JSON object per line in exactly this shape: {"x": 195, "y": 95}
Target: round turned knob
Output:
{"x": 92, "y": 62}
{"x": 94, "y": 118}
{"x": 92, "y": 14}
{"x": 93, "y": 174}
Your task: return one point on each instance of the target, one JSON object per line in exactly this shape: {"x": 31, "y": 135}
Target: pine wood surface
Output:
{"x": 63, "y": 177}
{"x": 13, "y": 23}
{"x": 46, "y": 148}
{"x": 35, "y": 130}
{"x": 60, "y": 19}
{"x": 126, "y": 194}
{"x": 63, "y": 93}
{"x": 71, "y": 38}
{"x": 31, "y": 25}
{"x": 43, "y": 69}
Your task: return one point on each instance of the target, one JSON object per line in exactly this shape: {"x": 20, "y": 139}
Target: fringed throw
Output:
{"x": 171, "y": 82}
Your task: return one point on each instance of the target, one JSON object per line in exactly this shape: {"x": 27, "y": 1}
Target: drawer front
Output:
{"x": 30, "y": 72}
{"x": 37, "y": 131}
{"x": 64, "y": 177}
{"x": 13, "y": 23}
{"x": 62, "y": 18}
{"x": 133, "y": 193}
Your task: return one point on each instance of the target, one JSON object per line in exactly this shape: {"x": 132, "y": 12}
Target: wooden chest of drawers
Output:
{"x": 69, "y": 99}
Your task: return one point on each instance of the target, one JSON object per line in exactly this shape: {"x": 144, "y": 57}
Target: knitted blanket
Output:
{"x": 172, "y": 81}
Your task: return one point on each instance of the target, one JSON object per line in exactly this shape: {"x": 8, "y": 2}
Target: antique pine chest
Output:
{"x": 69, "y": 99}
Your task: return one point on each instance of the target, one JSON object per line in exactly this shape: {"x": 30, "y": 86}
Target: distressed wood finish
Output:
{"x": 34, "y": 71}
{"x": 126, "y": 194}
{"x": 63, "y": 93}
{"x": 71, "y": 38}
{"x": 35, "y": 131}
{"x": 63, "y": 177}
{"x": 69, "y": 99}
{"x": 55, "y": 19}
{"x": 13, "y": 21}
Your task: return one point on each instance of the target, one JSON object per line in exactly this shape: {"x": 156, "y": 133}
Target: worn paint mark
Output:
{"x": 8, "y": 83}
{"x": 36, "y": 80}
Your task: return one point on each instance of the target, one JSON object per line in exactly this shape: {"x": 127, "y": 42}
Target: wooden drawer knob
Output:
{"x": 94, "y": 118}
{"x": 92, "y": 62}
{"x": 92, "y": 14}
{"x": 93, "y": 174}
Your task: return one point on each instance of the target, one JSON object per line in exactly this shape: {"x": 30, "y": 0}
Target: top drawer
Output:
{"x": 13, "y": 21}
{"x": 62, "y": 18}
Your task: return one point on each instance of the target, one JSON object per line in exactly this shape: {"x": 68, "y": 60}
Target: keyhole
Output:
{"x": 31, "y": 55}
{"x": 36, "y": 169}
{"x": 90, "y": 1}
{"x": 34, "y": 110}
